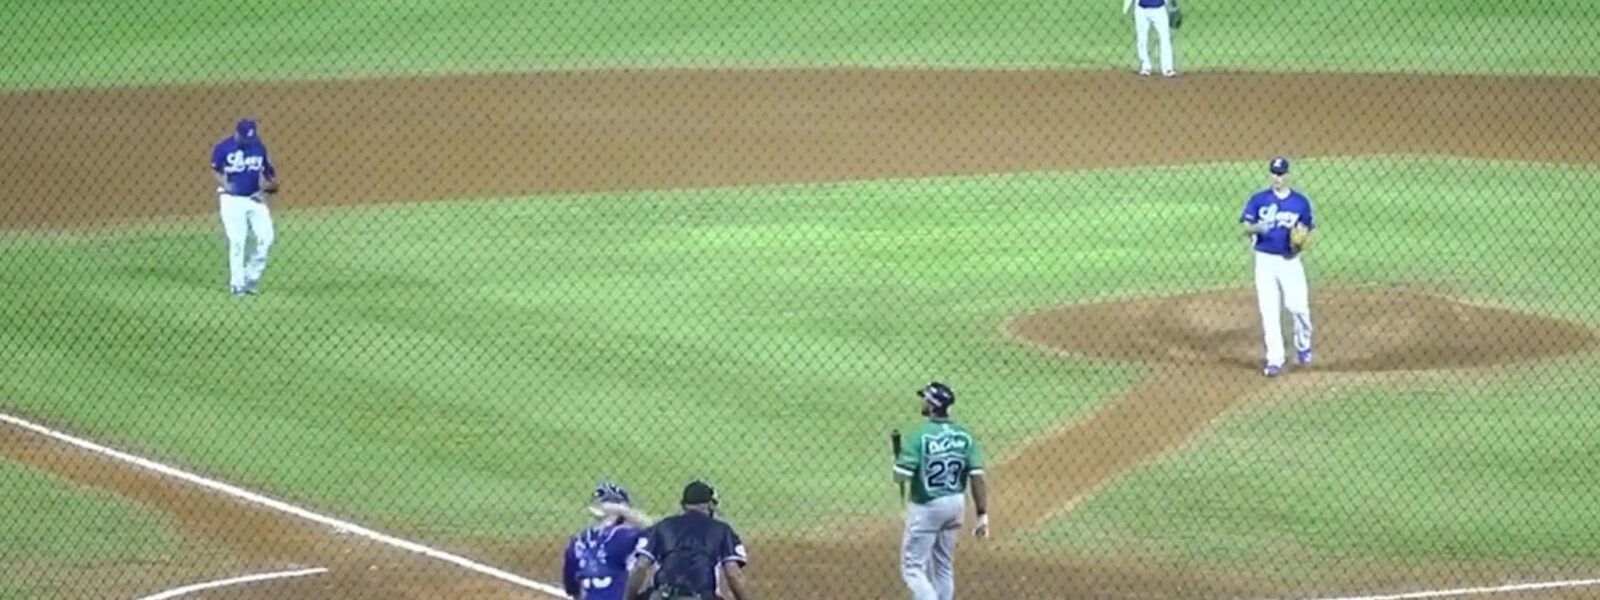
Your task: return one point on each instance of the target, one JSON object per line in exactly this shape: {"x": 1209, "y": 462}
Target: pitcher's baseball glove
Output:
{"x": 1298, "y": 237}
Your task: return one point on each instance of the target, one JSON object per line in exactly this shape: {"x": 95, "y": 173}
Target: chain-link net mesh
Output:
{"x": 519, "y": 248}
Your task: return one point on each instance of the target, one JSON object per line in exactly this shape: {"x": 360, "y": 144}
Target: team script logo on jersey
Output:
{"x": 239, "y": 163}
{"x": 937, "y": 446}
{"x": 1271, "y": 214}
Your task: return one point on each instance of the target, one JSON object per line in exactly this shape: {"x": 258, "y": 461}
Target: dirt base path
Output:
{"x": 70, "y": 157}
{"x": 88, "y": 156}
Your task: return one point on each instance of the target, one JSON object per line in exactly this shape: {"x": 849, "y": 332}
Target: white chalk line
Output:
{"x": 284, "y": 507}
{"x": 1477, "y": 591}
{"x": 470, "y": 565}
{"x": 211, "y": 585}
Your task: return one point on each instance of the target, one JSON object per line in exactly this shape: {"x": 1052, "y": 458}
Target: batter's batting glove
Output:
{"x": 982, "y": 530}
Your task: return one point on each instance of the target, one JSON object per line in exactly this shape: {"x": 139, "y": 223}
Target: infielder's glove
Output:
{"x": 270, "y": 187}
{"x": 1298, "y": 237}
{"x": 1174, "y": 14}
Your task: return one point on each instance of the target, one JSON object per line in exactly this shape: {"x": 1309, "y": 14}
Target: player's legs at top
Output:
{"x": 235, "y": 227}
{"x": 1164, "y": 38}
{"x": 1141, "y": 39}
{"x": 1267, "y": 299}
{"x": 1296, "y": 298}
{"x": 916, "y": 550}
{"x": 261, "y": 226}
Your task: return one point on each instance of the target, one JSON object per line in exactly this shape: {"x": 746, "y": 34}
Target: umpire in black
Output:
{"x": 687, "y": 552}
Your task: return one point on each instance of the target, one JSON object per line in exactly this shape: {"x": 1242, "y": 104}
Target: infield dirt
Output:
{"x": 112, "y": 155}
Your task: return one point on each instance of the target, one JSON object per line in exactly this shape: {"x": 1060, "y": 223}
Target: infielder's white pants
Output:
{"x": 242, "y": 216}
{"x": 1279, "y": 278}
{"x": 928, "y": 551}
{"x": 1143, "y": 20}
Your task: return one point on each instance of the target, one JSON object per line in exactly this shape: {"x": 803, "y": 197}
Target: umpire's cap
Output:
{"x": 697, "y": 492}
{"x": 937, "y": 396}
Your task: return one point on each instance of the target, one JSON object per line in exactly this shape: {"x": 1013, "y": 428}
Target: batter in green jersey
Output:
{"x": 941, "y": 460}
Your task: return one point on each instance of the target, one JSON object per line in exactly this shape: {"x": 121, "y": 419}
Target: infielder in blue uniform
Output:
{"x": 245, "y": 179}
{"x": 598, "y": 559}
{"x": 1152, "y": 13}
{"x": 1278, "y": 223}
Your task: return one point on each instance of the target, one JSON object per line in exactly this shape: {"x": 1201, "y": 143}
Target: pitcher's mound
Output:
{"x": 1355, "y": 330}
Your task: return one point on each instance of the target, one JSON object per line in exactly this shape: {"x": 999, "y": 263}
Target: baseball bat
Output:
{"x": 894, "y": 444}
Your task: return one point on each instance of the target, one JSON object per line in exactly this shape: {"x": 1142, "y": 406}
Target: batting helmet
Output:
{"x": 937, "y": 396}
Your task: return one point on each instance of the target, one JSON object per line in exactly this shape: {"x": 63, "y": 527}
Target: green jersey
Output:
{"x": 939, "y": 457}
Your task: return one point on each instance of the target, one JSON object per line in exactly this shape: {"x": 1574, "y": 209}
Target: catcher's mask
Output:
{"x": 607, "y": 493}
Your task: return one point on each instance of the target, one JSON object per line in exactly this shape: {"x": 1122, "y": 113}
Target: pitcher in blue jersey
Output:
{"x": 1269, "y": 218}
{"x": 245, "y": 180}
{"x": 598, "y": 559}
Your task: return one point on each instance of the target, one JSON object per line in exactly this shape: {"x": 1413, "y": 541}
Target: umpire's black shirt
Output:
{"x": 688, "y": 549}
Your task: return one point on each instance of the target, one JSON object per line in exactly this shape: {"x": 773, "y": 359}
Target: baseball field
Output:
{"x": 526, "y": 246}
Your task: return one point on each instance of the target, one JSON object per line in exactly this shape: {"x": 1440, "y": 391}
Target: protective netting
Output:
{"x": 520, "y": 248}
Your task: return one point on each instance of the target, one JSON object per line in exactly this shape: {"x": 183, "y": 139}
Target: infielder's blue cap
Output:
{"x": 937, "y": 395}
{"x": 1279, "y": 166}
{"x": 246, "y": 128}
{"x": 605, "y": 492}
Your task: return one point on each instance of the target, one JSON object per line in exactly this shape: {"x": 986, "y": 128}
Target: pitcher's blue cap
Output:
{"x": 246, "y": 129}
{"x": 1279, "y": 166}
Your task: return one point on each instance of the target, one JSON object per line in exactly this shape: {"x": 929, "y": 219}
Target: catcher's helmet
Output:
{"x": 605, "y": 492}
{"x": 937, "y": 396}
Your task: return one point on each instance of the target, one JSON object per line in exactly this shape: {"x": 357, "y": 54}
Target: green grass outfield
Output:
{"x": 468, "y": 369}
{"x": 1425, "y": 473}
{"x": 51, "y": 526}
{"x": 51, "y": 43}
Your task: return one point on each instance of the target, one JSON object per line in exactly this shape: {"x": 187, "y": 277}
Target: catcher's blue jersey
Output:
{"x": 1264, "y": 206}
{"x": 597, "y": 562}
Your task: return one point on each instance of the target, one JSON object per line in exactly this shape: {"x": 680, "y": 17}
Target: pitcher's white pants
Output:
{"x": 928, "y": 551}
{"x": 1280, "y": 278}
{"x": 1143, "y": 20}
{"x": 242, "y": 216}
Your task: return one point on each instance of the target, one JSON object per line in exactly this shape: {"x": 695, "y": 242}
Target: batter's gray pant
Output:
{"x": 928, "y": 551}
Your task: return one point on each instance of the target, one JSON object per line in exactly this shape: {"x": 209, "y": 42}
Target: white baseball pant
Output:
{"x": 1280, "y": 278}
{"x": 242, "y": 216}
{"x": 1143, "y": 20}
